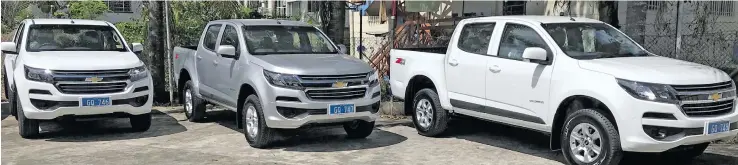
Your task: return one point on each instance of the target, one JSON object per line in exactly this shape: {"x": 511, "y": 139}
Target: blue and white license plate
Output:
{"x": 94, "y": 101}
{"x": 717, "y": 127}
{"x": 334, "y": 109}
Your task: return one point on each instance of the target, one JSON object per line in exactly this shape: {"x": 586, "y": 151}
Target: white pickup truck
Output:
{"x": 581, "y": 81}
{"x": 74, "y": 69}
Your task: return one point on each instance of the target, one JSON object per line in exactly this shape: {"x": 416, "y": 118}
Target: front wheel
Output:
{"x": 27, "y": 128}
{"x": 429, "y": 117}
{"x": 590, "y": 138}
{"x": 358, "y": 129}
{"x": 254, "y": 126}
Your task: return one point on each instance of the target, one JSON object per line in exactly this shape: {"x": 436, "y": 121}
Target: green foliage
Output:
{"x": 13, "y": 13}
{"x": 133, "y": 32}
{"x": 90, "y": 9}
{"x": 190, "y": 17}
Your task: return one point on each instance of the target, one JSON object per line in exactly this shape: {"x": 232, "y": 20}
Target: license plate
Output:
{"x": 94, "y": 101}
{"x": 717, "y": 127}
{"x": 334, "y": 109}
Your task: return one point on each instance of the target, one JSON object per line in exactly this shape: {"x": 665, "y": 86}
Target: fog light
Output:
{"x": 139, "y": 101}
{"x": 43, "y": 104}
{"x": 290, "y": 112}
{"x": 663, "y": 133}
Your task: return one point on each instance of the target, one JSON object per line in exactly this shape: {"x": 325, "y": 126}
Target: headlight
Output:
{"x": 37, "y": 74}
{"x": 283, "y": 80}
{"x": 373, "y": 78}
{"x": 649, "y": 91}
{"x": 138, "y": 73}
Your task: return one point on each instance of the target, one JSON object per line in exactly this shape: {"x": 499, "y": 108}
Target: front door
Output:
{"x": 227, "y": 69}
{"x": 206, "y": 59}
{"x": 466, "y": 66}
{"x": 518, "y": 89}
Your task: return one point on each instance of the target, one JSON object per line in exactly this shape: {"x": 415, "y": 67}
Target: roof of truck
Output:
{"x": 264, "y": 22}
{"x": 67, "y": 22}
{"x": 539, "y": 19}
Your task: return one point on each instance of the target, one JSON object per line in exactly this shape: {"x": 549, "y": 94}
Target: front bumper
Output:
{"x": 366, "y": 108}
{"x": 68, "y": 104}
{"x": 634, "y": 138}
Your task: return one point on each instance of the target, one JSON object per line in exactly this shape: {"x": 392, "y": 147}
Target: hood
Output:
{"x": 81, "y": 60}
{"x": 314, "y": 64}
{"x": 656, "y": 69}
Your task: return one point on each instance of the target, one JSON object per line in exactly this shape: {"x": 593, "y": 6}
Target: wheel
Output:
{"x": 429, "y": 117}
{"x": 590, "y": 138}
{"x": 358, "y": 129}
{"x": 689, "y": 153}
{"x": 27, "y": 128}
{"x": 194, "y": 106}
{"x": 255, "y": 129}
{"x": 12, "y": 101}
{"x": 141, "y": 122}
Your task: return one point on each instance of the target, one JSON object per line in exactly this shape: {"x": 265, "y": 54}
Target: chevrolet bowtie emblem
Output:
{"x": 716, "y": 96}
{"x": 93, "y": 79}
{"x": 339, "y": 84}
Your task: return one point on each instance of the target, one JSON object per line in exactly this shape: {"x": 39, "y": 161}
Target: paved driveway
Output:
{"x": 217, "y": 141}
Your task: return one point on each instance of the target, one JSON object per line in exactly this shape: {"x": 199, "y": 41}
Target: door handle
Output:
{"x": 453, "y": 62}
{"x": 199, "y": 57}
{"x": 215, "y": 62}
{"x": 494, "y": 69}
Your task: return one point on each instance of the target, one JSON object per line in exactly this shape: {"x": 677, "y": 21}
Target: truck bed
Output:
{"x": 181, "y": 55}
{"x": 408, "y": 62}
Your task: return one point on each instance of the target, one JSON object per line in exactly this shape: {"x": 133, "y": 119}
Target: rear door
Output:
{"x": 205, "y": 59}
{"x": 518, "y": 89}
{"x": 466, "y": 65}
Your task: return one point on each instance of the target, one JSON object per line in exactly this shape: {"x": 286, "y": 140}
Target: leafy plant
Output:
{"x": 90, "y": 9}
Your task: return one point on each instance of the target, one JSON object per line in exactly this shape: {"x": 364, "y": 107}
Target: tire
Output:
{"x": 602, "y": 133}
{"x": 27, "y": 128}
{"x": 433, "y": 120}
{"x": 694, "y": 151}
{"x": 260, "y": 136}
{"x": 141, "y": 123}
{"x": 358, "y": 129}
{"x": 12, "y": 95}
{"x": 194, "y": 106}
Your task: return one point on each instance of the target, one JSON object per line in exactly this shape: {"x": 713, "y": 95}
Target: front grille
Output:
{"x": 708, "y": 109}
{"x": 336, "y": 94}
{"x": 92, "y": 88}
{"x": 91, "y": 81}
{"x": 706, "y": 87}
{"x": 333, "y": 77}
{"x": 701, "y": 100}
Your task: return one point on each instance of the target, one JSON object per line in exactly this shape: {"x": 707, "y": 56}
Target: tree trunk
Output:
{"x": 636, "y": 18}
{"x": 609, "y": 13}
{"x": 337, "y": 22}
{"x": 153, "y": 55}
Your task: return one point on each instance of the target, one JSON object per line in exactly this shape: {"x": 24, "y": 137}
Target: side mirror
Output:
{"x": 8, "y": 47}
{"x": 535, "y": 55}
{"x": 137, "y": 47}
{"x": 227, "y": 51}
{"x": 342, "y": 49}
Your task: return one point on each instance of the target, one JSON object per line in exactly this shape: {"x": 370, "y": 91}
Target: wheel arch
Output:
{"x": 184, "y": 76}
{"x": 416, "y": 83}
{"x": 562, "y": 111}
{"x": 244, "y": 91}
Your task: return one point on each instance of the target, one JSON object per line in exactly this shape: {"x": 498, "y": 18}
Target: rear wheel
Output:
{"x": 254, "y": 126}
{"x": 27, "y": 128}
{"x": 194, "y": 106}
{"x": 358, "y": 129}
{"x": 429, "y": 117}
{"x": 141, "y": 122}
{"x": 11, "y": 94}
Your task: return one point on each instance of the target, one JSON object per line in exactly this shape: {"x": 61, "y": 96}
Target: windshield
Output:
{"x": 592, "y": 41}
{"x": 73, "y": 38}
{"x": 262, "y": 40}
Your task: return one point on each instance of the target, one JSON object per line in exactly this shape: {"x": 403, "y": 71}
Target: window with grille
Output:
{"x": 119, "y": 6}
{"x": 721, "y": 8}
{"x": 514, "y": 7}
{"x": 654, "y": 5}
